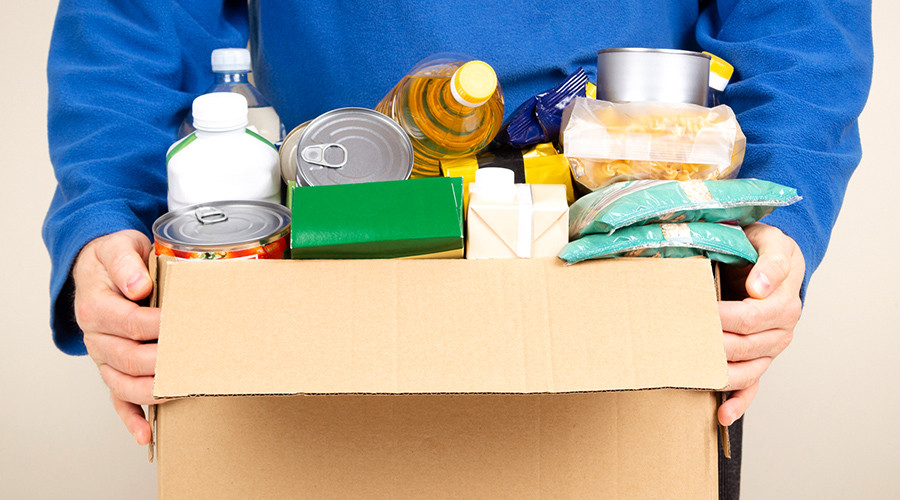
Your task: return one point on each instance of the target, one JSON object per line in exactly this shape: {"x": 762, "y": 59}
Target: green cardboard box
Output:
{"x": 391, "y": 219}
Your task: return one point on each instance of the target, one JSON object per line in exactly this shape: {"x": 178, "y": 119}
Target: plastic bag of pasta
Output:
{"x": 609, "y": 142}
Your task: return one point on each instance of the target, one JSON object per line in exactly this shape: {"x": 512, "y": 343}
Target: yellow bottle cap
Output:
{"x": 720, "y": 66}
{"x": 474, "y": 83}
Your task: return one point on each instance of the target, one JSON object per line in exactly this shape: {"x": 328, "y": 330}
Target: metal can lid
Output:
{"x": 287, "y": 153}
{"x": 353, "y": 145}
{"x": 222, "y": 223}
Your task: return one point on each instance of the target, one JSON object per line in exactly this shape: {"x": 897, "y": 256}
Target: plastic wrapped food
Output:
{"x": 538, "y": 118}
{"x": 736, "y": 201}
{"x": 610, "y": 142}
{"x": 720, "y": 242}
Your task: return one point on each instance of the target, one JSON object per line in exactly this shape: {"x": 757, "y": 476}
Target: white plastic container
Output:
{"x": 508, "y": 221}
{"x": 222, "y": 159}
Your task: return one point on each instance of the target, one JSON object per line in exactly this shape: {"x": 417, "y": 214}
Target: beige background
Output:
{"x": 822, "y": 426}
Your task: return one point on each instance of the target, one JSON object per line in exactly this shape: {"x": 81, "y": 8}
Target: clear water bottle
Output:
{"x": 720, "y": 72}
{"x": 449, "y": 105}
{"x": 231, "y": 68}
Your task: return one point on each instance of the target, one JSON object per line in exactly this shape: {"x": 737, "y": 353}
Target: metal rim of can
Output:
{"x": 376, "y": 148}
{"x": 259, "y": 223}
{"x": 287, "y": 153}
{"x": 662, "y": 51}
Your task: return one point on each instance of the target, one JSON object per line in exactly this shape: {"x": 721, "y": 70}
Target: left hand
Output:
{"x": 761, "y": 325}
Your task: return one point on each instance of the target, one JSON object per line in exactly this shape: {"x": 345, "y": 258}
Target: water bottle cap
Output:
{"x": 220, "y": 111}
{"x": 473, "y": 83}
{"x": 224, "y": 60}
{"x": 720, "y": 72}
{"x": 494, "y": 183}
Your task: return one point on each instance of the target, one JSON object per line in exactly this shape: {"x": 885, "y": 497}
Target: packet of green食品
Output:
{"x": 735, "y": 201}
{"x": 719, "y": 242}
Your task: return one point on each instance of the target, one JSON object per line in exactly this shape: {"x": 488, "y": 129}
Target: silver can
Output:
{"x": 635, "y": 74}
{"x": 224, "y": 230}
{"x": 287, "y": 153}
{"x": 352, "y": 145}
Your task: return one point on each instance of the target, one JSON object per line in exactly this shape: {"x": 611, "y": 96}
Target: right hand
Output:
{"x": 110, "y": 274}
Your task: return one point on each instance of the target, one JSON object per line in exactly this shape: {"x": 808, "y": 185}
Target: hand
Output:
{"x": 110, "y": 274}
{"x": 759, "y": 327}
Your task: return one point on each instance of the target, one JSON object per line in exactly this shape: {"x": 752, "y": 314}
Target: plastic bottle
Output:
{"x": 231, "y": 68}
{"x": 719, "y": 75}
{"x": 449, "y": 105}
{"x": 222, "y": 159}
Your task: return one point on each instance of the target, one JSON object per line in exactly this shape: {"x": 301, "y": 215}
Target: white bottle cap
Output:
{"x": 717, "y": 82}
{"x": 220, "y": 111}
{"x": 494, "y": 183}
{"x": 224, "y": 60}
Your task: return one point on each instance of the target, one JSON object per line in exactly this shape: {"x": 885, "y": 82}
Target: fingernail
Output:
{"x": 134, "y": 281}
{"x": 761, "y": 285}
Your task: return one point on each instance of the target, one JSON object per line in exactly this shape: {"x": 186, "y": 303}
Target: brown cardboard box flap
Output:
{"x": 394, "y": 327}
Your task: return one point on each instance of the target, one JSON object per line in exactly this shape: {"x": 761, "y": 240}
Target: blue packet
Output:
{"x": 538, "y": 119}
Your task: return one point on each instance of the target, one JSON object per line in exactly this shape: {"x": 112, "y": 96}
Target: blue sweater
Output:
{"x": 122, "y": 75}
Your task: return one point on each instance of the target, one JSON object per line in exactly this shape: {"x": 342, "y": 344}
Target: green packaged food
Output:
{"x": 720, "y": 242}
{"x": 735, "y": 201}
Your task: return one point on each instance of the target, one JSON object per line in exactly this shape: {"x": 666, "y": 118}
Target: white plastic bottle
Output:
{"x": 231, "y": 68}
{"x": 720, "y": 72}
{"x": 222, "y": 159}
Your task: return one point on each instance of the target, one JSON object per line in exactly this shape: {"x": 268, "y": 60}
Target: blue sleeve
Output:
{"x": 121, "y": 75}
{"x": 802, "y": 76}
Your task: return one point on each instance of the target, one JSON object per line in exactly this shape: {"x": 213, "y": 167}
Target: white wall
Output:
{"x": 822, "y": 425}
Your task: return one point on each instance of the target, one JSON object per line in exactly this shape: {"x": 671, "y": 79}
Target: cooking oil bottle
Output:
{"x": 449, "y": 105}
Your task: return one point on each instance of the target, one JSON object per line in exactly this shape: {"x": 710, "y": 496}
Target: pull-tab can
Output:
{"x": 224, "y": 230}
{"x": 349, "y": 146}
{"x": 326, "y": 155}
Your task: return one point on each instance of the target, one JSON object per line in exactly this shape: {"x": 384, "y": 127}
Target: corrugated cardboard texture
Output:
{"x": 622, "y": 445}
{"x": 438, "y": 326}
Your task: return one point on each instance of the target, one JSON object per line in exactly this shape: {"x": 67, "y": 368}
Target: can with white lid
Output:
{"x": 224, "y": 230}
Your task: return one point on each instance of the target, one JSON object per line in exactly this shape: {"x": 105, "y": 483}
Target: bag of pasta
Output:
{"x": 609, "y": 142}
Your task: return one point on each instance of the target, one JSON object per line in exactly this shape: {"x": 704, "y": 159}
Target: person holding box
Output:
{"x": 123, "y": 74}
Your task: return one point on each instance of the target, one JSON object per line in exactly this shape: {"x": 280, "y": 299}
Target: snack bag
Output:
{"x": 609, "y": 142}
{"x": 720, "y": 242}
{"x": 538, "y": 118}
{"x": 736, "y": 201}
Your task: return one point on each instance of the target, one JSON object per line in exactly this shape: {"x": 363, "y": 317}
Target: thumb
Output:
{"x": 124, "y": 256}
{"x": 774, "y": 263}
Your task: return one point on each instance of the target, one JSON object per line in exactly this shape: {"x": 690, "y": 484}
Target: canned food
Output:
{"x": 224, "y": 230}
{"x": 664, "y": 75}
{"x": 287, "y": 154}
{"x": 349, "y": 146}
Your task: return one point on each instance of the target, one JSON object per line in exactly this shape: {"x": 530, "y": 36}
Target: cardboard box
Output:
{"x": 409, "y": 218}
{"x": 438, "y": 379}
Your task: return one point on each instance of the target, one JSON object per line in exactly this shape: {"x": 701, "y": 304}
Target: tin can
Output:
{"x": 287, "y": 154}
{"x": 664, "y": 75}
{"x": 347, "y": 146}
{"x": 224, "y": 230}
